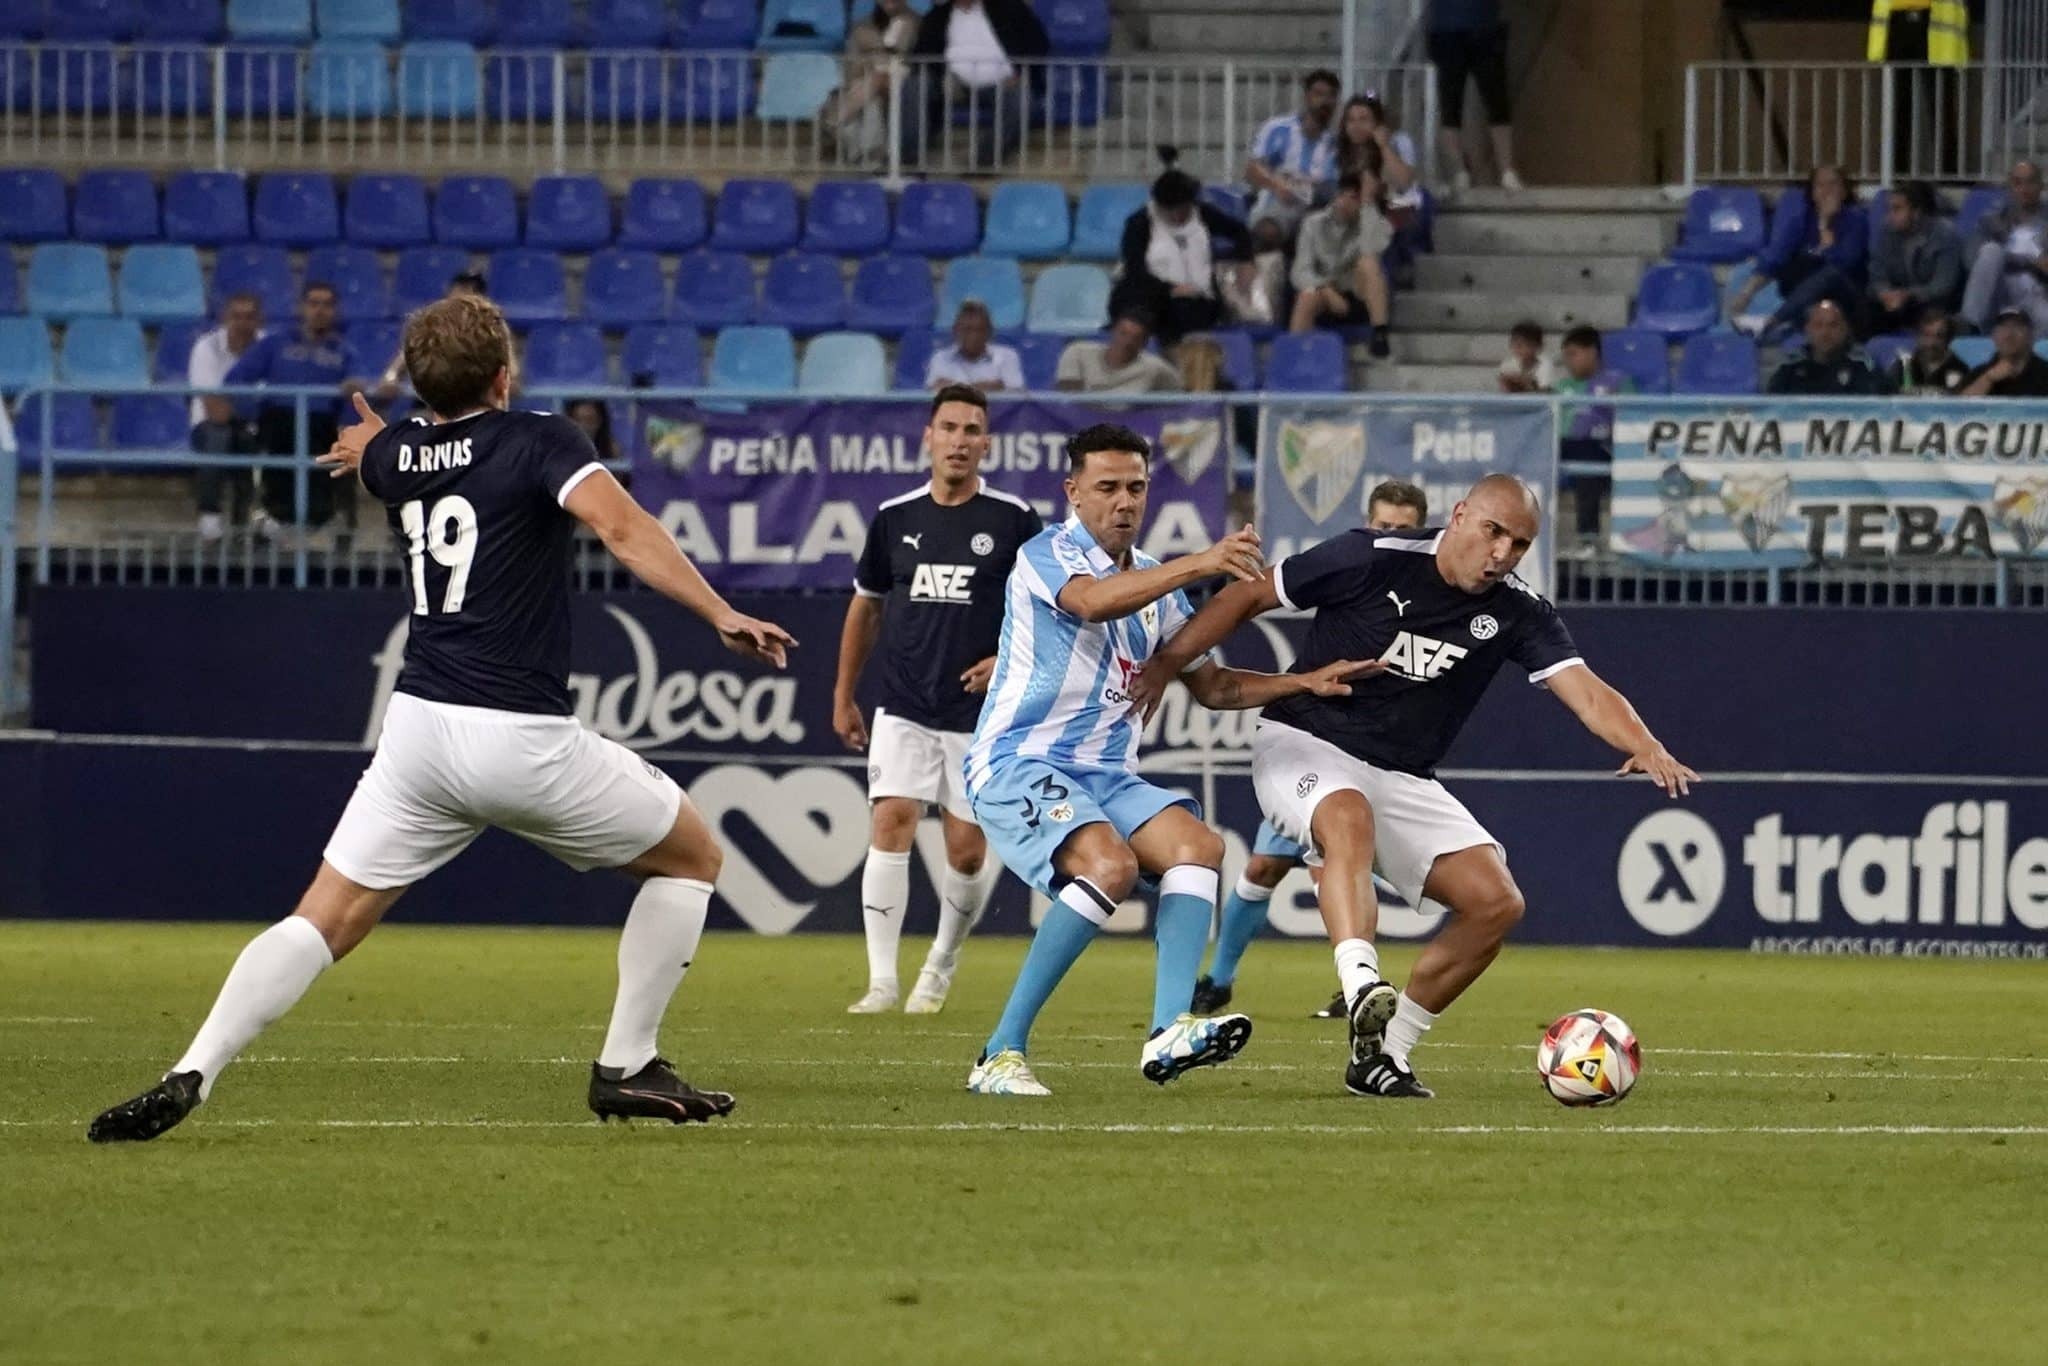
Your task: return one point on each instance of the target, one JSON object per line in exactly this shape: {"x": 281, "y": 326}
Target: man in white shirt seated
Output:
{"x": 972, "y": 358}
{"x": 215, "y": 428}
{"x": 976, "y": 56}
{"x": 1120, "y": 365}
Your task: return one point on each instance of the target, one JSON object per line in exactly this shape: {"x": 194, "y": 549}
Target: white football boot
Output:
{"x": 1005, "y": 1074}
{"x": 1193, "y": 1041}
{"x": 880, "y": 999}
{"x": 928, "y": 997}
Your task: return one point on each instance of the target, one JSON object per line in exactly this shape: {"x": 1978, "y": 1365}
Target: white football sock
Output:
{"x": 273, "y": 972}
{"x": 1406, "y": 1029}
{"x": 655, "y": 950}
{"x": 962, "y": 900}
{"x": 1248, "y": 890}
{"x": 1358, "y": 967}
{"x": 884, "y": 892}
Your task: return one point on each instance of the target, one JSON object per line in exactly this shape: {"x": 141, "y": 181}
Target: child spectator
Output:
{"x": 1527, "y": 370}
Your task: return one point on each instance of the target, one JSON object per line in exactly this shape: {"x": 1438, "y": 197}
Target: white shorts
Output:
{"x": 1415, "y": 820}
{"x": 926, "y": 765}
{"x": 442, "y": 773}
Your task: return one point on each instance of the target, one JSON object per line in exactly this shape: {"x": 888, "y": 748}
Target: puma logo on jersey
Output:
{"x": 942, "y": 582}
{"x": 1420, "y": 658}
{"x": 1400, "y": 607}
{"x": 912, "y": 541}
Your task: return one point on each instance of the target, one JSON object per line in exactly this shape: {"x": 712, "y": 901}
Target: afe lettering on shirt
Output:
{"x": 1419, "y": 657}
{"x": 942, "y": 583}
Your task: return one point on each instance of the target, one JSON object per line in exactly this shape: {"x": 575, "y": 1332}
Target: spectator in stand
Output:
{"x": 1337, "y": 272}
{"x": 1170, "y": 252}
{"x": 1467, "y": 38}
{"x": 1120, "y": 365}
{"x": 1917, "y": 263}
{"x": 2011, "y": 257}
{"x": 1588, "y": 428}
{"x": 216, "y": 428}
{"x": 313, "y": 354}
{"x": 972, "y": 358}
{"x": 1931, "y": 369}
{"x": 853, "y": 119}
{"x": 981, "y": 43}
{"x": 595, "y": 419}
{"x": 1833, "y": 364}
{"x": 470, "y": 282}
{"x": 1293, "y": 162}
{"x": 2013, "y": 371}
{"x": 1367, "y": 142}
{"x": 1819, "y": 249}
{"x": 1526, "y": 370}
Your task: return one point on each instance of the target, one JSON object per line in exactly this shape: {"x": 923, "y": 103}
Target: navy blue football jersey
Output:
{"x": 1378, "y": 595}
{"x": 941, "y": 571}
{"x": 477, "y": 505}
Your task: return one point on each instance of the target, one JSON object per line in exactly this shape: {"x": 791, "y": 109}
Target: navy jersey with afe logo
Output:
{"x": 1379, "y": 595}
{"x": 942, "y": 571}
{"x": 477, "y": 505}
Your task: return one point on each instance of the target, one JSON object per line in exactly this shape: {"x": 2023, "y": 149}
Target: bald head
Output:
{"x": 1490, "y": 530}
{"x": 1507, "y": 492}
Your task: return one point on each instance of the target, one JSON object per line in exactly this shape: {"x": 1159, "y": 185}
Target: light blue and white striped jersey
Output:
{"x": 1061, "y": 689}
{"x": 1283, "y": 145}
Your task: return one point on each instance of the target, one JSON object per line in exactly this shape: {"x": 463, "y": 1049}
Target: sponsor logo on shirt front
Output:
{"x": 1419, "y": 658}
{"x": 942, "y": 583}
{"x": 1118, "y": 692}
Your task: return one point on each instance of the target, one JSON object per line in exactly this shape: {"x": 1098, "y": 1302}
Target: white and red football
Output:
{"x": 1589, "y": 1057}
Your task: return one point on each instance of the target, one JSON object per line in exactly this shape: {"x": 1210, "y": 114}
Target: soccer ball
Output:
{"x": 1589, "y": 1057}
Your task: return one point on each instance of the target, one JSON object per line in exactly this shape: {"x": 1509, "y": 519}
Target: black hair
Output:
{"x": 1104, "y": 436}
{"x": 1920, "y": 196}
{"x": 603, "y": 439}
{"x": 959, "y": 393}
{"x": 1583, "y": 335}
{"x": 1935, "y": 313}
{"x": 1175, "y": 188}
{"x": 1528, "y": 331}
{"x": 1848, "y": 185}
{"x": 1321, "y": 76}
{"x": 469, "y": 279}
{"x": 1138, "y": 314}
{"x": 312, "y": 285}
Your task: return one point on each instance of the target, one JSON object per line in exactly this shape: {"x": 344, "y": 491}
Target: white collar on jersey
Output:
{"x": 1098, "y": 558}
{"x": 1427, "y": 547}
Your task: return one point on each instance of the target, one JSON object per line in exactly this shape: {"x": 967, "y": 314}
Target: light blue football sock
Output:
{"x": 1187, "y": 900}
{"x": 1070, "y": 924}
{"x": 1243, "y": 916}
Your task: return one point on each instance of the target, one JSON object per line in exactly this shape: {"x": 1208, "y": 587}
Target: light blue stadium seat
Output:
{"x": 1039, "y": 357}
{"x": 10, "y": 285}
{"x": 207, "y": 208}
{"x": 1307, "y": 363}
{"x": 151, "y": 422}
{"x": 626, "y": 23}
{"x": 160, "y": 283}
{"x": 26, "y": 358}
{"x": 568, "y": 213}
{"x": 664, "y": 215}
{"x": 105, "y": 353}
{"x": 256, "y": 268}
{"x": 1070, "y": 300}
{"x": 454, "y": 21}
{"x": 566, "y": 355}
{"x": 357, "y": 277}
{"x": 1677, "y": 299}
{"x": 795, "y": 85}
{"x": 271, "y": 19}
{"x": 1974, "y": 351}
{"x": 373, "y": 20}
{"x": 536, "y": 23}
{"x": 844, "y": 363}
{"x": 1099, "y": 220}
{"x": 528, "y": 284}
{"x": 423, "y": 274}
{"x": 847, "y": 218}
{"x": 171, "y": 361}
{"x": 387, "y": 211}
{"x": 716, "y": 25}
{"x": 623, "y": 288}
{"x": 114, "y": 207}
{"x": 814, "y": 24}
{"x": 297, "y": 209}
{"x": 1028, "y": 219}
{"x": 1076, "y": 28}
{"x": 439, "y": 78}
{"x": 995, "y": 280}
{"x": 937, "y": 218}
{"x": 891, "y": 295}
{"x": 33, "y": 206}
{"x": 1764, "y": 303}
{"x": 1722, "y": 223}
{"x": 761, "y": 359}
{"x": 1716, "y": 363}
{"x": 1641, "y": 354}
{"x": 348, "y": 80}
{"x": 714, "y": 289}
{"x": 181, "y": 21}
{"x": 69, "y": 280}
{"x": 662, "y": 355}
{"x": 75, "y": 21}
{"x": 476, "y": 211}
{"x": 803, "y": 291}
{"x": 755, "y": 216}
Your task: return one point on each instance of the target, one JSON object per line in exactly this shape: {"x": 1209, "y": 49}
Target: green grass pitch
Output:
{"x": 1825, "y": 1161}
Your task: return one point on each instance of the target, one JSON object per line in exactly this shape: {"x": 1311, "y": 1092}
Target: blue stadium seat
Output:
{"x": 171, "y": 81}
{"x": 74, "y": 426}
{"x": 753, "y": 358}
{"x": 1981, "y": 200}
{"x": 1225, "y": 200}
{"x": 626, "y": 23}
{"x": 1240, "y": 364}
{"x": 79, "y": 79}
{"x": 438, "y": 78}
{"x": 664, "y": 215}
{"x": 1038, "y": 355}
{"x": 1076, "y": 28}
{"x": 1099, "y": 220}
{"x": 1722, "y": 223}
{"x": 171, "y": 361}
{"x": 1973, "y": 351}
{"x": 387, "y": 211}
{"x": 10, "y": 285}
{"x": 271, "y": 19}
{"x": 844, "y": 363}
{"x": 819, "y": 25}
{"x": 566, "y": 355}
{"x": 803, "y": 292}
{"x": 454, "y": 21}
{"x": 476, "y": 211}
{"x": 20, "y": 22}
{"x": 536, "y": 23}
{"x": 892, "y": 295}
{"x": 622, "y": 288}
{"x": 714, "y": 289}
{"x": 262, "y": 82}
{"x": 1677, "y": 300}
{"x": 711, "y": 89}
{"x": 260, "y": 269}
{"x": 1071, "y": 300}
{"x": 624, "y": 88}
{"x": 207, "y": 208}
{"x": 529, "y": 285}
{"x": 297, "y": 209}
{"x": 661, "y": 355}
{"x": 347, "y": 79}
{"x": 371, "y": 20}
{"x": 937, "y": 218}
{"x": 1644, "y": 356}
{"x": 151, "y": 422}
{"x": 1076, "y": 96}
{"x": 69, "y": 280}
{"x": 106, "y": 353}
{"x": 1717, "y": 363}
{"x": 160, "y": 282}
{"x": 795, "y": 85}
{"x": 181, "y": 21}
{"x": 1027, "y": 218}
{"x": 26, "y": 358}
{"x": 32, "y": 205}
{"x": 375, "y": 340}
{"x": 1766, "y": 300}
{"x": 358, "y": 279}
{"x": 757, "y": 216}
{"x": 913, "y": 354}
{"x": 1885, "y": 349}
{"x": 716, "y": 25}
{"x": 995, "y": 280}
{"x": 569, "y": 213}
{"x": 115, "y": 206}
{"x": 847, "y": 217}
{"x": 73, "y": 21}
{"x": 1307, "y": 363}
{"x": 423, "y": 274}
{"x": 519, "y": 86}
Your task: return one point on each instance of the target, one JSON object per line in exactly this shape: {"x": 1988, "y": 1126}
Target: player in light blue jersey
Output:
{"x": 1052, "y": 768}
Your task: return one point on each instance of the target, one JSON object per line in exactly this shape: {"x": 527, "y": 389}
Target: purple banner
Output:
{"x": 770, "y": 496}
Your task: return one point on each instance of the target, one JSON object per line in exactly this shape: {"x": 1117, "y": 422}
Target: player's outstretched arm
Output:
{"x": 1233, "y": 607}
{"x": 1221, "y": 689}
{"x": 1119, "y": 595}
{"x": 640, "y": 544}
{"x": 1609, "y": 715}
{"x": 856, "y": 642}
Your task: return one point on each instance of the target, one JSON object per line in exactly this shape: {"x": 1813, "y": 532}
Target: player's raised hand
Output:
{"x": 975, "y": 679}
{"x": 1334, "y": 680}
{"x": 346, "y": 454}
{"x": 1237, "y": 555}
{"x": 848, "y": 722}
{"x": 755, "y": 639}
{"x": 1674, "y": 778}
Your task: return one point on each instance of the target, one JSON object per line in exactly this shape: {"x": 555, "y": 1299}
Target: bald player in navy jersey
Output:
{"x": 1354, "y": 776}
{"x": 479, "y": 731}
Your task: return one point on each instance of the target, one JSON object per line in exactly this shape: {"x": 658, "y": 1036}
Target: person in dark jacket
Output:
{"x": 1931, "y": 369}
{"x": 1170, "y": 251}
{"x": 2013, "y": 371}
{"x": 1917, "y": 264}
{"x": 979, "y": 56}
{"x": 1819, "y": 249}
{"x": 1833, "y": 363}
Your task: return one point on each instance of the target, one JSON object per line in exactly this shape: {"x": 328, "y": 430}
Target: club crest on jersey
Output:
{"x": 1420, "y": 658}
{"x": 1306, "y": 785}
{"x": 1484, "y": 627}
{"x": 1061, "y": 814}
{"x": 982, "y": 543}
{"x": 674, "y": 443}
{"x": 942, "y": 583}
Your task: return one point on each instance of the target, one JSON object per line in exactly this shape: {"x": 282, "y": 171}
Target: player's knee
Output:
{"x": 1343, "y": 822}
{"x": 893, "y": 823}
{"x": 1265, "y": 871}
{"x": 1204, "y": 849}
{"x": 967, "y": 865}
{"x": 1114, "y": 871}
{"x": 1500, "y": 910}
